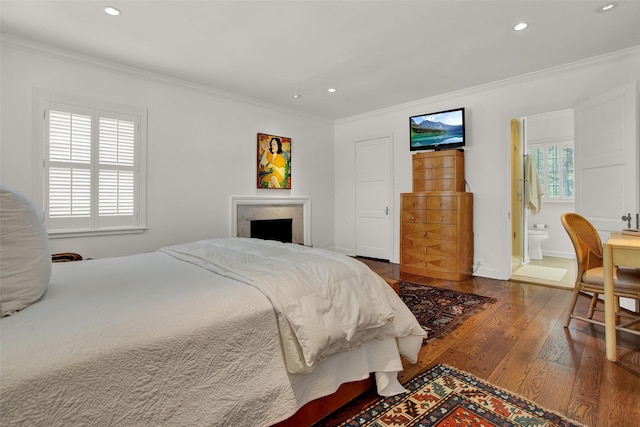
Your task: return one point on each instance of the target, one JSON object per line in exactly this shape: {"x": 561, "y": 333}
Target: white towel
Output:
{"x": 533, "y": 190}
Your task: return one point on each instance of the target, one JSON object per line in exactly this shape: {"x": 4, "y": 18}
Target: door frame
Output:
{"x": 517, "y": 192}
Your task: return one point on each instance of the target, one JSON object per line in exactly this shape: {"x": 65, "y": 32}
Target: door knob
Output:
{"x": 628, "y": 219}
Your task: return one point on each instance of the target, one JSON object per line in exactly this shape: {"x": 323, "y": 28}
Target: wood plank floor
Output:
{"x": 520, "y": 344}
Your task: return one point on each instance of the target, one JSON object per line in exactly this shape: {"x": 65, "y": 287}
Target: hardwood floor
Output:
{"x": 520, "y": 344}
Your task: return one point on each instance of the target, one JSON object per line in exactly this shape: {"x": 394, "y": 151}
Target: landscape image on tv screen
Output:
{"x": 437, "y": 130}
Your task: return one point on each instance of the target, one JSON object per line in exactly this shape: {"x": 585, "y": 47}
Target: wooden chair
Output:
{"x": 590, "y": 277}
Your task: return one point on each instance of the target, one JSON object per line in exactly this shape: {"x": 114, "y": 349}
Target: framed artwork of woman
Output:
{"x": 274, "y": 161}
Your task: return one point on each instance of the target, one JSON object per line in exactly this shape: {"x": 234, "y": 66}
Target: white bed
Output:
{"x": 177, "y": 337}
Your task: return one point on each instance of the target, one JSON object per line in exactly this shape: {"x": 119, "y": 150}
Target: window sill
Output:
{"x": 60, "y": 234}
{"x": 559, "y": 200}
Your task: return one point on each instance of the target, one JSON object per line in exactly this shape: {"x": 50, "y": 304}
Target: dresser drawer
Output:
{"x": 431, "y": 231}
{"x": 442, "y": 202}
{"x": 429, "y": 216}
{"x": 414, "y": 215}
{"x": 441, "y": 216}
{"x": 442, "y": 173}
{"x": 430, "y": 249}
{"x": 429, "y": 263}
{"x": 420, "y": 162}
{"x": 413, "y": 202}
{"x": 425, "y": 201}
{"x": 434, "y": 185}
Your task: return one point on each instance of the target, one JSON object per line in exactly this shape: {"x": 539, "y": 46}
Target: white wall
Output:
{"x": 489, "y": 109}
{"x": 201, "y": 148}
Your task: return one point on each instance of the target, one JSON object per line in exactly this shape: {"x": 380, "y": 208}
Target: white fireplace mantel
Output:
{"x": 305, "y": 202}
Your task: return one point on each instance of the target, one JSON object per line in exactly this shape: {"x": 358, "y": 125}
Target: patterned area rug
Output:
{"x": 444, "y": 396}
{"x": 440, "y": 310}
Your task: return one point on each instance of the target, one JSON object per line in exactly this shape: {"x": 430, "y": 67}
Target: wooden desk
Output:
{"x": 619, "y": 250}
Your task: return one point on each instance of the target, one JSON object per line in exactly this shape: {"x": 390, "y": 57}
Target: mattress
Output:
{"x": 153, "y": 340}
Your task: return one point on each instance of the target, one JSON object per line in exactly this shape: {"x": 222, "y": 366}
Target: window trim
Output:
{"x": 41, "y": 99}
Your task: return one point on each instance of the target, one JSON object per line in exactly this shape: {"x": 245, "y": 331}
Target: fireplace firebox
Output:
{"x": 272, "y": 229}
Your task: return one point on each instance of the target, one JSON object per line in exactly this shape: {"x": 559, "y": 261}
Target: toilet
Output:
{"x": 536, "y": 236}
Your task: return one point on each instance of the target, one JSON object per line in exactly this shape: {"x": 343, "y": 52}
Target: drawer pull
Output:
{"x": 425, "y": 233}
{"x": 413, "y": 218}
{"x": 425, "y": 264}
{"x": 425, "y": 249}
{"x": 440, "y": 204}
{"x": 413, "y": 204}
{"x": 440, "y": 218}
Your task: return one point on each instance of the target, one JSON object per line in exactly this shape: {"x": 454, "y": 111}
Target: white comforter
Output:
{"x": 152, "y": 340}
{"x": 325, "y": 302}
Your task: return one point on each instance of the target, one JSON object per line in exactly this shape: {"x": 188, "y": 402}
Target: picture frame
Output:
{"x": 274, "y": 161}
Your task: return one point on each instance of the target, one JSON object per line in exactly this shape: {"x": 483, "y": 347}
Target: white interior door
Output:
{"x": 607, "y": 160}
{"x": 373, "y": 198}
{"x": 607, "y": 155}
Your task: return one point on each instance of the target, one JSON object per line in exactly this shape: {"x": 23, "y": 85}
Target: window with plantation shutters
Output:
{"x": 554, "y": 163}
{"x": 93, "y": 158}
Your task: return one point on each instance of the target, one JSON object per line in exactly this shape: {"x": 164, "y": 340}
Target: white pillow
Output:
{"x": 25, "y": 258}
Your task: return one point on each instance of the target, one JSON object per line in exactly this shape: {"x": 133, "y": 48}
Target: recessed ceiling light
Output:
{"x": 297, "y": 95}
{"x": 606, "y": 7}
{"x": 521, "y": 26}
{"x": 110, "y": 10}
{"x": 332, "y": 90}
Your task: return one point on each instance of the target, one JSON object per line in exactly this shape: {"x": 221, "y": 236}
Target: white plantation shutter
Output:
{"x": 69, "y": 192}
{"x": 117, "y": 160}
{"x": 70, "y": 137}
{"x": 92, "y": 169}
{"x": 70, "y": 164}
{"x": 116, "y": 192}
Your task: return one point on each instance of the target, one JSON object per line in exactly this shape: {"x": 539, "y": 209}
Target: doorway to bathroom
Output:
{"x": 542, "y": 176}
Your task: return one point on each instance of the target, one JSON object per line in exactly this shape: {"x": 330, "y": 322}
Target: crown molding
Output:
{"x": 44, "y": 49}
{"x": 523, "y": 78}
{"x": 79, "y": 58}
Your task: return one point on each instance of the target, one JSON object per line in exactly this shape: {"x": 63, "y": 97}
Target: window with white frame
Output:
{"x": 554, "y": 163}
{"x": 94, "y": 167}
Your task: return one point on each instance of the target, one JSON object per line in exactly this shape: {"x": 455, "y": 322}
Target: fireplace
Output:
{"x": 294, "y": 212}
{"x": 272, "y": 229}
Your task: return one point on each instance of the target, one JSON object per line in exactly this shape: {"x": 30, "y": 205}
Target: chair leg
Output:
{"x": 572, "y": 305}
{"x": 592, "y": 307}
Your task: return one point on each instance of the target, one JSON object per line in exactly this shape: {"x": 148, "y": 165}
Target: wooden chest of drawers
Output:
{"x": 438, "y": 171}
{"x": 436, "y": 232}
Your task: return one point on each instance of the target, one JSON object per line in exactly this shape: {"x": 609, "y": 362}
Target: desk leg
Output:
{"x": 609, "y": 304}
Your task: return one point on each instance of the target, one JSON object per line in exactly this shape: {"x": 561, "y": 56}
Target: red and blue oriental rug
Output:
{"x": 446, "y": 397}
{"x": 440, "y": 310}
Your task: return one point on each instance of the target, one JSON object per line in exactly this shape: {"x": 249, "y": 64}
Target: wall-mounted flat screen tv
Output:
{"x": 441, "y": 130}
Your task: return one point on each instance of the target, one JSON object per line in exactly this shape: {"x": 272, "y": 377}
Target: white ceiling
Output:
{"x": 375, "y": 53}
